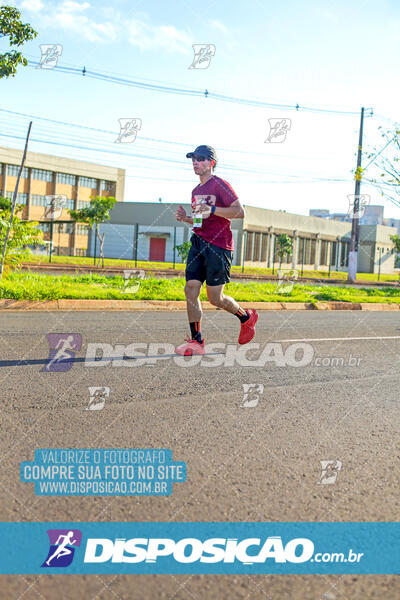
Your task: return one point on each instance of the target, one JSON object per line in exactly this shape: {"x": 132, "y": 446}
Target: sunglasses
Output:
{"x": 198, "y": 158}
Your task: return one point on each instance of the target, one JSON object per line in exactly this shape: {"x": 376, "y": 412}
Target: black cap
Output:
{"x": 207, "y": 152}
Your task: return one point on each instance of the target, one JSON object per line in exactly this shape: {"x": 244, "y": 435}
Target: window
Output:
{"x": 45, "y": 227}
{"x": 257, "y": 241}
{"x": 21, "y": 198}
{"x": 249, "y": 245}
{"x": 333, "y": 253}
{"x": 13, "y": 171}
{"x": 69, "y": 203}
{"x": 42, "y": 175}
{"x": 64, "y": 227}
{"x": 108, "y": 186}
{"x": 264, "y": 245}
{"x": 301, "y": 243}
{"x": 37, "y": 200}
{"x": 88, "y": 182}
{"x": 276, "y": 255}
{"x": 324, "y": 253}
{"x": 82, "y": 229}
{"x": 82, "y": 204}
{"x": 312, "y": 257}
{"x": 344, "y": 258}
{"x": 307, "y": 251}
{"x": 66, "y": 178}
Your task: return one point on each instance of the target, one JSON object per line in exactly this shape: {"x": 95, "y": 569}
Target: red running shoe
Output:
{"x": 190, "y": 347}
{"x": 248, "y": 328}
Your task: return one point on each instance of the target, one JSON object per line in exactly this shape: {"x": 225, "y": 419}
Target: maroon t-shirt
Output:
{"x": 216, "y": 230}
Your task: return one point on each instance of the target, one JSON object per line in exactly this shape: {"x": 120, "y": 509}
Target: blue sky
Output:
{"x": 319, "y": 54}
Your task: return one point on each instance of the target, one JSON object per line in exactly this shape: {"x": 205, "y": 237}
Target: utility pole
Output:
{"x": 51, "y": 238}
{"x": 355, "y": 225}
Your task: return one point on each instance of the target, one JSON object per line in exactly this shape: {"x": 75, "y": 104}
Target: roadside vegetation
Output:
{"x": 36, "y": 286}
{"x": 130, "y": 264}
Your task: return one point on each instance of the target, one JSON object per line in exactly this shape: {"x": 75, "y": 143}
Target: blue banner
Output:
{"x": 225, "y": 548}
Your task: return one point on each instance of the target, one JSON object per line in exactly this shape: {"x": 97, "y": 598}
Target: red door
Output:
{"x": 157, "y": 249}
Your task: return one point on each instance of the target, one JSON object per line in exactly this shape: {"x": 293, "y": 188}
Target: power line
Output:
{"x": 99, "y": 75}
{"x": 68, "y": 137}
{"x": 227, "y": 167}
{"x": 378, "y": 153}
{"x": 142, "y": 137}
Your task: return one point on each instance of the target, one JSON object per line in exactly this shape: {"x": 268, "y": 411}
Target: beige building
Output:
{"x": 149, "y": 231}
{"x": 74, "y": 180}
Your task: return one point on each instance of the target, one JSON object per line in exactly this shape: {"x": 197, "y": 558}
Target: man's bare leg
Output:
{"x": 248, "y": 318}
{"x": 217, "y": 297}
{"x": 193, "y": 304}
{"x": 194, "y": 344}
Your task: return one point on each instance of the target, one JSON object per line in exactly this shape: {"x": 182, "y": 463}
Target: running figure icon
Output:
{"x": 63, "y": 347}
{"x": 62, "y": 549}
{"x": 63, "y": 545}
{"x": 62, "y": 353}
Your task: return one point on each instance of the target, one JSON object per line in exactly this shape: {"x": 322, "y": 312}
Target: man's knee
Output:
{"x": 216, "y": 299}
{"x": 192, "y": 290}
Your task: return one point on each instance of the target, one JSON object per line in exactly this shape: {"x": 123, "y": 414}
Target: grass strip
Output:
{"x": 37, "y": 286}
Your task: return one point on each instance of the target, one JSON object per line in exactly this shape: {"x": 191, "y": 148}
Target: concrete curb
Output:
{"x": 151, "y": 305}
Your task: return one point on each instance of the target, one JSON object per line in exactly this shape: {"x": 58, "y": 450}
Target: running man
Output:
{"x": 62, "y": 549}
{"x": 62, "y": 347}
{"x": 211, "y": 252}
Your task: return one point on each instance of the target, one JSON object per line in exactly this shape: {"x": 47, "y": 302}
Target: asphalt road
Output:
{"x": 249, "y": 458}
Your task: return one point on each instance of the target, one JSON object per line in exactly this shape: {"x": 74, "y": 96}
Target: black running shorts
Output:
{"x": 208, "y": 262}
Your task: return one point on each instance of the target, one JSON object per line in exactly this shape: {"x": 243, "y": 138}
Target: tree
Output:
{"x": 285, "y": 247}
{"x": 18, "y": 33}
{"x": 23, "y": 234}
{"x": 385, "y": 161}
{"x": 396, "y": 240}
{"x": 97, "y": 212}
{"x": 183, "y": 250}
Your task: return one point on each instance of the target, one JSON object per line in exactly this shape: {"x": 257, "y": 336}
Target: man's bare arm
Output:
{"x": 234, "y": 211}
